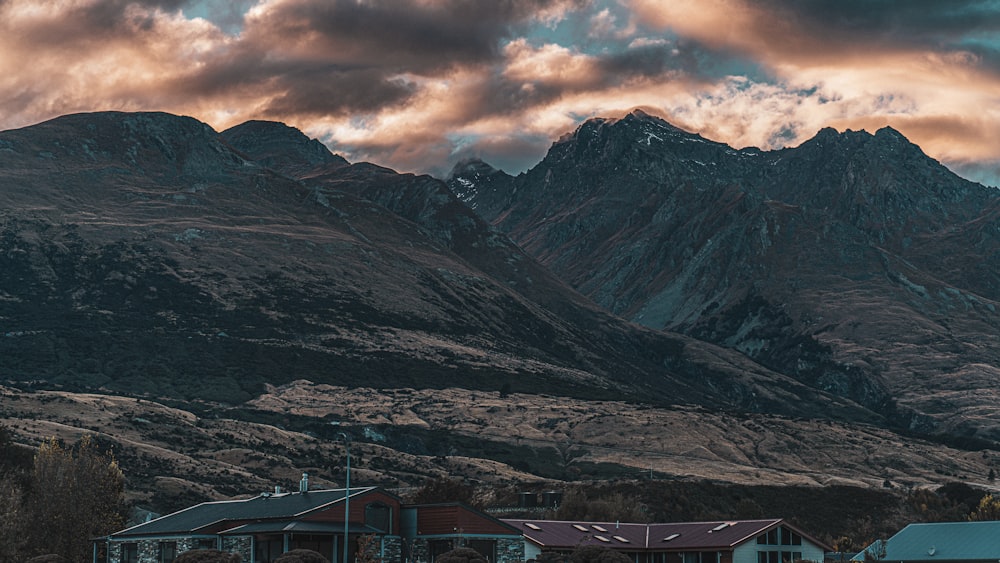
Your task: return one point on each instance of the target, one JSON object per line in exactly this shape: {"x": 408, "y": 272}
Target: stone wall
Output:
{"x": 510, "y": 550}
{"x": 419, "y": 552}
{"x": 149, "y": 550}
{"x": 239, "y": 544}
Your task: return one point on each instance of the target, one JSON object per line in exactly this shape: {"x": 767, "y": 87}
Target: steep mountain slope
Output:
{"x": 143, "y": 254}
{"x": 853, "y": 263}
{"x": 234, "y": 317}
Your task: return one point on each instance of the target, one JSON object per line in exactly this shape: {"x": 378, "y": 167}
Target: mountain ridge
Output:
{"x": 217, "y": 321}
{"x": 235, "y": 274}
{"x": 738, "y": 246}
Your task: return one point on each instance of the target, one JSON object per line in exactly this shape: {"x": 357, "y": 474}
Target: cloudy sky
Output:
{"x": 418, "y": 84}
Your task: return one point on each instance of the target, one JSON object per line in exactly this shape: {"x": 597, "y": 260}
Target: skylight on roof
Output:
{"x": 722, "y": 526}
{"x": 532, "y": 526}
{"x": 621, "y": 539}
{"x": 603, "y": 539}
{"x": 671, "y": 537}
{"x": 581, "y": 528}
{"x": 599, "y": 528}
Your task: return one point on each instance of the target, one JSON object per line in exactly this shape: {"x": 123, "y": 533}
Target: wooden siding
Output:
{"x": 335, "y": 513}
{"x": 454, "y": 519}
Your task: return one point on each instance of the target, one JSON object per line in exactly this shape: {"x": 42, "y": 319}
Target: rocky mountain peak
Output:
{"x": 280, "y": 147}
{"x": 479, "y": 185}
{"x": 154, "y": 142}
{"x": 792, "y": 257}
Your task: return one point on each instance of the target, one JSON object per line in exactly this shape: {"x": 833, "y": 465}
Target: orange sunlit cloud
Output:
{"x": 418, "y": 84}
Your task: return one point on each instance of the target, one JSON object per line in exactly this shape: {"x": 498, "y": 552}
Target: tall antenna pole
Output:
{"x": 347, "y": 492}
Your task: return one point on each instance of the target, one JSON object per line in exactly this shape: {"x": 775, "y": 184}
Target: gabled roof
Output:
{"x": 570, "y": 534}
{"x": 720, "y": 535}
{"x": 944, "y": 541}
{"x": 448, "y": 517}
{"x": 263, "y": 507}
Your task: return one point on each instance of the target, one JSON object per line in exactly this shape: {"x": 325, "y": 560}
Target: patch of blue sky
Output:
{"x": 227, "y": 15}
{"x": 598, "y": 29}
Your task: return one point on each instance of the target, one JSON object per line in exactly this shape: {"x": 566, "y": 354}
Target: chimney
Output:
{"x": 304, "y": 483}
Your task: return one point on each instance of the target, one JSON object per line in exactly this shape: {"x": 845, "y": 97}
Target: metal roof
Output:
{"x": 297, "y": 526}
{"x": 944, "y": 541}
{"x": 722, "y": 534}
{"x": 263, "y": 507}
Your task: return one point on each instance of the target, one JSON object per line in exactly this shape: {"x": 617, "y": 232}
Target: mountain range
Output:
{"x": 636, "y": 296}
{"x": 852, "y": 263}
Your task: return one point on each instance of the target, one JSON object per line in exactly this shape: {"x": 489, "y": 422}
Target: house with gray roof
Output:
{"x": 729, "y": 541}
{"x": 265, "y": 526}
{"x": 940, "y": 542}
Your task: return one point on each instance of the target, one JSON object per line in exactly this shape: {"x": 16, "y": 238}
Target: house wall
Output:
{"x": 531, "y": 551}
{"x": 445, "y": 519}
{"x": 149, "y": 549}
{"x": 335, "y": 513}
{"x": 509, "y": 550}
{"x": 747, "y": 551}
{"x": 239, "y": 544}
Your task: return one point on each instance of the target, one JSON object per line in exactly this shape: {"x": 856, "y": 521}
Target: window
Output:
{"x": 129, "y": 552}
{"x": 778, "y": 556}
{"x": 377, "y": 515}
{"x": 438, "y": 547}
{"x": 206, "y": 543}
{"x": 780, "y": 536}
{"x": 486, "y": 548}
{"x": 167, "y": 552}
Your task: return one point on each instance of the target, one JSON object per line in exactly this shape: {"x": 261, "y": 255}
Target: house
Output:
{"x": 263, "y": 527}
{"x": 740, "y": 541}
{"x": 378, "y": 524}
{"x": 940, "y": 542}
{"x": 432, "y": 529}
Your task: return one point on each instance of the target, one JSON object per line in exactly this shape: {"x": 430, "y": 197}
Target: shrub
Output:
{"x": 48, "y": 558}
{"x": 208, "y": 556}
{"x": 598, "y": 554}
{"x": 461, "y": 555}
{"x": 301, "y": 556}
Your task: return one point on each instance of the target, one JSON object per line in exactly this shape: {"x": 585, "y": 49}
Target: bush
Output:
{"x": 461, "y": 555}
{"x": 301, "y": 556}
{"x": 48, "y": 558}
{"x": 598, "y": 554}
{"x": 208, "y": 556}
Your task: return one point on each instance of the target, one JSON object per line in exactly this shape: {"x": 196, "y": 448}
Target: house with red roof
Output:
{"x": 729, "y": 541}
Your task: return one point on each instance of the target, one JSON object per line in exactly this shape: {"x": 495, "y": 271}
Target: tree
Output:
{"x": 76, "y": 494}
{"x": 461, "y": 555}
{"x": 208, "y": 556}
{"x": 598, "y": 554}
{"x": 614, "y": 507}
{"x": 301, "y": 556}
{"x": 50, "y": 558}
{"x": 11, "y": 517}
{"x": 445, "y": 490}
{"x": 988, "y": 509}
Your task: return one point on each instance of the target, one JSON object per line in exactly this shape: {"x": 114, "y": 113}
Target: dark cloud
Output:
{"x": 321, "y": 91}
{"x": 912, "y": 20}
{"x": 814, "y": 28}
{"x": 401, "y": 34}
